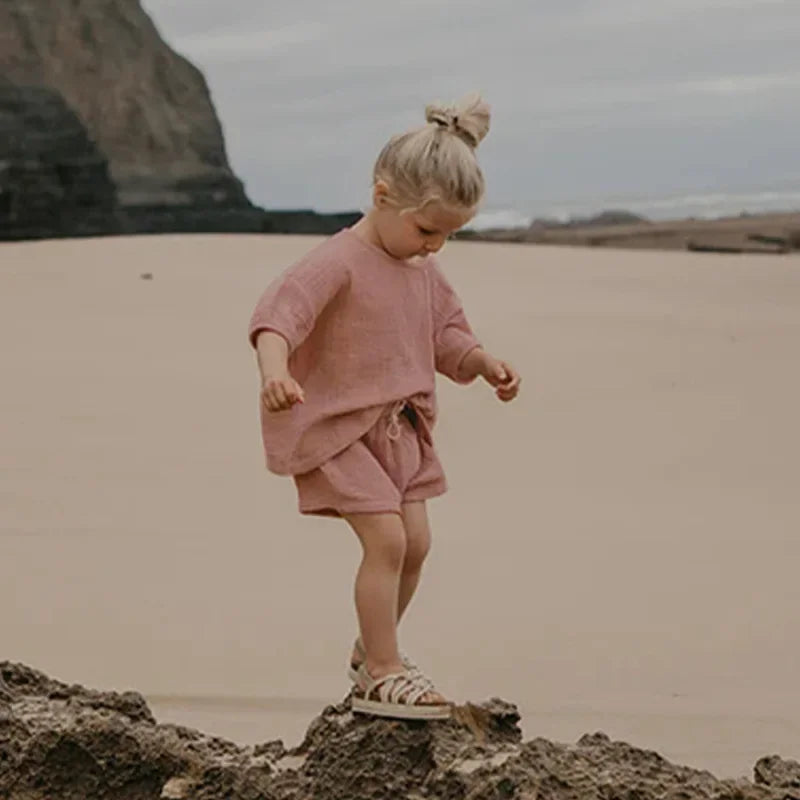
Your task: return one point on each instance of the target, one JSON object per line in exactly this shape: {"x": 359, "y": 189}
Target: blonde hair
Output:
{"x": 437, "y": 162}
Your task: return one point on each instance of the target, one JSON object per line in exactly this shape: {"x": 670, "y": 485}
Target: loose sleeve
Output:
{"x": 291, "y": 304}
{"x": 453, "y": 336}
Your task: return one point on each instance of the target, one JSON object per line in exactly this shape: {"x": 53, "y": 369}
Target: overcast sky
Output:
{"x": 590, "y": 99}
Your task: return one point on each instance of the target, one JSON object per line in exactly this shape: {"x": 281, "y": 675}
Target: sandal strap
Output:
{"x": 424, "y": 680}
{"x": 402, "y": 689}
{"x": 398, "y": 687}
{"x": 408, "y": 663}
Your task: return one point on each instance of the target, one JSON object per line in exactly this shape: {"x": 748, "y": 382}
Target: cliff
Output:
{"x": 52, "y": 176}
{"x": 73, "y": 743}
{"x": 142, "y": 108}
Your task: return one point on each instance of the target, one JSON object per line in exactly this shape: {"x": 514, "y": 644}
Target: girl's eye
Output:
{"x": 425, "y": 232}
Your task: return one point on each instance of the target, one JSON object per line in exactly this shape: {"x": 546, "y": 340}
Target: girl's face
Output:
{"x": 417, "y": 233}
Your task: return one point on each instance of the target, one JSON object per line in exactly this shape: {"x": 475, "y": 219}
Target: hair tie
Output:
{"x": 448, "y": 121}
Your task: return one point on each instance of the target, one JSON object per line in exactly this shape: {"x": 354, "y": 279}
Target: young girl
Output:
{"x": 349, "y": 339}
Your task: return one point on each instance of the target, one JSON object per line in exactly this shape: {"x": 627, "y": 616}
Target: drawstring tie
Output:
{"x": 393, "y": 427}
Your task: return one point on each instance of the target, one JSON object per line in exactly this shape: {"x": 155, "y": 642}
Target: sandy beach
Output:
{"x": 619, "y": 549}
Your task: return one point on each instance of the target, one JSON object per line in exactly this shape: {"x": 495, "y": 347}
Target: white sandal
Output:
{"x": 396, "y": 695}
{"x": 408, "y": 664}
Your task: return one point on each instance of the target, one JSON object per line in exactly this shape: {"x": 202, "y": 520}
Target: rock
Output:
{"x": 178, "y": 788}
{"x": 5, "y": 691}
{"x": 308, "y": 222}
{"x": 611, "y": 217}
{"x": 53, "y": 179}
{"x": 141, "y": 149}
{"x": 71, "y": 743}
{"x": 779, "y": 773}
{"x": 782, "y": 243}
{"x": 74, "y": 743}
{"x": 601, "y": 220}
{"x": 148, "y": 109}
{"x": 759, "y": 234}
{"x": 736, "y": 243}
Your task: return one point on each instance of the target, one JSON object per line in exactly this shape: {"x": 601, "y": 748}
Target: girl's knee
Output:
{"x": 382, "y": 537}
{"x": 417, "y": 549}
{"x": 390, "y": 549}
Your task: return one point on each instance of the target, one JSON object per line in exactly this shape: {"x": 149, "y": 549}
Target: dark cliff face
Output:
{"x": 140, "y": 121}
{"x": 53, "y": 179}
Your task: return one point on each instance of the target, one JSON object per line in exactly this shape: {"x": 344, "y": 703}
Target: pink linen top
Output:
{"x": 365, "y": 330}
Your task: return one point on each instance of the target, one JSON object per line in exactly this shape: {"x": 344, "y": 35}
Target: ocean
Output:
{"x": 709, "y": 204}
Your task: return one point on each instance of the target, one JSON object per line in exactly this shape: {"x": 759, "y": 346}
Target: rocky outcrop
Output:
{"x": 134, "y": 111}
{"x": 308, "y": 222}
{"x": 147, "y": 109}
{"x": 601, "y": 220}
{"x": 763, "y": 233}
{"x": 53, "y": 179}
{"x": 71, "y": 743}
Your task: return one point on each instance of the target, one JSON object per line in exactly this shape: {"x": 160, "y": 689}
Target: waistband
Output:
{"x": 405, "y": 408}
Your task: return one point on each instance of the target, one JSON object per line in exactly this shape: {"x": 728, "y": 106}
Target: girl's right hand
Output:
{"x": 281, "y": 392}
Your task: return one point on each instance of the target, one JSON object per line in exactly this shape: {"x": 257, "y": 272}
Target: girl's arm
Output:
{"x": 279, "y": 390}
{"x": 499, "y": 374}
{"x": 453, "y": 338}
{"x": 272, "y": 353}
{"x": 459, "y": 354}
{"x": 283, "y": 317}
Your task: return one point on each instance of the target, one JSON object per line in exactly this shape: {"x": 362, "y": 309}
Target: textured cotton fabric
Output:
{"x": 364, "y": 330}
{"x": 392, "y": 463}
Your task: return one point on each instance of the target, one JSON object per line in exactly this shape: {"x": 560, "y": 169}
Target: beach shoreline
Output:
{"x": 767, "y": 233}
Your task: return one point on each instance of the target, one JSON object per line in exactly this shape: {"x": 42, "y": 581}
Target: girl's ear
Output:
{"x": 380, "y": 194}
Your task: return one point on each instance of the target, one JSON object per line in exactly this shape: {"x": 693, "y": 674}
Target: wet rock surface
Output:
{"x": 72, "y": 743}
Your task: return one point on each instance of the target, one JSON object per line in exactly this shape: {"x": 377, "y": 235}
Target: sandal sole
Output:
{"x": 400, "y": 710}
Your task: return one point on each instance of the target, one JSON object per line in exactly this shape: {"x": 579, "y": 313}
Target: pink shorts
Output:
{"x": 393, "y": 463}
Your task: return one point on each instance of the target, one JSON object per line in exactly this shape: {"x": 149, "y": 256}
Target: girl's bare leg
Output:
{"x": 418, "y": 543}
{"x": 394, "y": 550}
{"x": 383, "y": 540}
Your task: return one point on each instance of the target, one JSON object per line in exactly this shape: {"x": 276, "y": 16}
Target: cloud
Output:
{"x": 626, "y": 14}
{"x": 734, "y": 85}
{"x": 588, "y": 98}
{"x": 240, "y": 46}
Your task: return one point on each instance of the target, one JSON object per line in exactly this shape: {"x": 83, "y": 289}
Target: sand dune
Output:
{"x": 618, "y": 551}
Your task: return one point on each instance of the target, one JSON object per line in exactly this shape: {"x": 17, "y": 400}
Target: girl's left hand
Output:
{"x": 503, "y": 377}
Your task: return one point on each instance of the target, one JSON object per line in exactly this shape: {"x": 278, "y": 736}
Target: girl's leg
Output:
{"x": 383, "y": 540}
{"x": 418, "y": 543}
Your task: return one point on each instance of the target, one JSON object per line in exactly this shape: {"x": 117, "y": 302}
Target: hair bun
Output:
{"x": 468, "y": 119}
